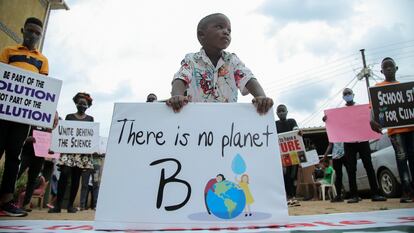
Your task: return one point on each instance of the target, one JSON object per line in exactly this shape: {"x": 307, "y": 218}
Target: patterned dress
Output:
{"x": 208, "y": 83}
{"x": 83, "y": 161}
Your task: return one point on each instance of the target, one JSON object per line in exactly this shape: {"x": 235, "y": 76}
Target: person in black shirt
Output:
{"x": 289, "y": 173}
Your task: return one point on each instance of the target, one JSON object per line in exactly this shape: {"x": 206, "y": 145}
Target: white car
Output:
{"x": 385, "y": 166}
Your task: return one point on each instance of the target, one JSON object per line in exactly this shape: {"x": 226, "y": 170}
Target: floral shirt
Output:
{"x": 206, "y": 83}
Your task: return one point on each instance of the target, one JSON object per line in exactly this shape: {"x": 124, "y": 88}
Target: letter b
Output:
{"x": 172, "y": 179}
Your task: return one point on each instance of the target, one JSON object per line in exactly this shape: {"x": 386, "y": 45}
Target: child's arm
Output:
{"x": 177, "y": 100}
{"x": 260, "y": 101}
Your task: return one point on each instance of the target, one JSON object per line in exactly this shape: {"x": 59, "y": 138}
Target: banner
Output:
{"x": 42, "y": 145}
{"x": 27, "y": 97}
{"x": 385, "y": 221}
{"x": 76, "y": 137}
{"x": 350, "y": 124}
{"x": 292, "y": 148}
{"x": 393, "y": 105}
{"x": 210, "y": 166}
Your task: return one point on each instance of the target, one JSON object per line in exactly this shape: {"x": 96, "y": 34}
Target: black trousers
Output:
{"x": 337, "y": 166}
{"x": 12, "y": 137}
{"x": 35, "y": 164}
{"x": 290, "y": 176}
{"x": 351, "y": 150}
{"x": 65, "y": 172}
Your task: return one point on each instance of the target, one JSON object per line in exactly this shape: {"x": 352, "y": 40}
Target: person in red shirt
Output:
{"x": 402, "y": 139}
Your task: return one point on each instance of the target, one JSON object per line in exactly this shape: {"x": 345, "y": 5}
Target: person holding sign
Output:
{"x": 73, "y": 164}
{"x": 363, "y": 149}
{"x": 338, "y": 160}
{"x": 34, "y": 164}
{"x": 212, "y": 74}
{"x": 290, "y": 173}
{"x": 402, "y": 139}
{"x": 13, "y": 134}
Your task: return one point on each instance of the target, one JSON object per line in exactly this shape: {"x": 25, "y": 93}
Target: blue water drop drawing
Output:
{"x": 238, "y": 165}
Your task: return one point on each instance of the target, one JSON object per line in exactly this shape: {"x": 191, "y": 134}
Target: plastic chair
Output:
{"x": 331, "y": 188}
{"x": 37, "y": 193}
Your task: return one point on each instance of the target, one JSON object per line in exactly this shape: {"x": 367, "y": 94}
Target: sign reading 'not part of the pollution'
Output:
{"x": 393, "y": 105}
{"x": 27, "y": 97}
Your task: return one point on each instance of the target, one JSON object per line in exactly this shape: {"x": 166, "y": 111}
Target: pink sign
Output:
{"x": 42, "y": 145}
{"x": 350, "y": 124}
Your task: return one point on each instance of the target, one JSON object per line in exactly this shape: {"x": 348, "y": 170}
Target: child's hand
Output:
{"x": 177, "y": 102}
{"x": 262, "y": 104}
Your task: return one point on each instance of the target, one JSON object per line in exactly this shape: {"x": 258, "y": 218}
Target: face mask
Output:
{"x": 81, "y": 108}
{"x": 348, "y": 98}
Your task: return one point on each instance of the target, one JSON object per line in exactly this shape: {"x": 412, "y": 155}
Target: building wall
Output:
{"x": 13, "y": 13}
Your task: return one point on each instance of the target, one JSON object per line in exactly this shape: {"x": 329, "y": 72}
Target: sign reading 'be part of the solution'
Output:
{"x": 210, "y": 166}
{"x": 76, "y": 137}
{"x": 27, "y": 97}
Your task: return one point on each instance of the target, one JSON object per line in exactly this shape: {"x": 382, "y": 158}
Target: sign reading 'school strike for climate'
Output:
{"x": 393, "y": 105}
{"x": 201, "y": 168}
{"x": 76, "y": 137}
{"x": 292, "y": 148}
{"x": 27, "y": 97}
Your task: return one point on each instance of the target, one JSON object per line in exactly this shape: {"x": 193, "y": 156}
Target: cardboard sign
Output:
{"x": 27, "y": 97}
{"x": 173, "y": 169}
{"x": 291, "y": 148}
{"x": 350, "y": 124}
{"x": 312, "y": 157}
{"x": 393, "y": 105}
{"x": 42, "y": 145}
{"x": 76, "y": 137}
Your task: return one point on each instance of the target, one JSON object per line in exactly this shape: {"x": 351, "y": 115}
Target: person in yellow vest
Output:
{"x": 12, "y": 134}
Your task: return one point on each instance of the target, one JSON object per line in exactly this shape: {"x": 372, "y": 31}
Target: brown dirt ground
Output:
{"x": 306, "y": 208}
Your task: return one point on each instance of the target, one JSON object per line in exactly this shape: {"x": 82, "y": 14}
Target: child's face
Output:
{"x": 388, "y": 68}
{"x": 219, "y": 178}
{"x": 281, "y": 112}
{"x": 217, "y": 34}
{"x": 31, "y": 34}
{"x": 245, "y": 179}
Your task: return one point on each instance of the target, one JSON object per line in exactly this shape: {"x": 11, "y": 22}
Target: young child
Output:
{"x": 244, "y": 185}
{"x": 327, "y": 173}
{"x": 12, "y": 134}
{"x": 212, "y": 74}
{"x": 402, "y": 139}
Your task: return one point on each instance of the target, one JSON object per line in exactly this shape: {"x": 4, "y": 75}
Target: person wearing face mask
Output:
{"x": 350, "y": 155}
{"x": 73, "y": 164}
{"x": 290, "y": 173}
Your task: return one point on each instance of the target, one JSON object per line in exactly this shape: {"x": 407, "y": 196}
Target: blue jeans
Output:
{"x": 404, "y": 153}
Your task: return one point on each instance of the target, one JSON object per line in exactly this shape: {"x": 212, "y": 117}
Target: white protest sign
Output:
{"x": 27, "y": 97}
{"x": 76, "y": 137}
{"x": 312, "y": 158}
{"x": 291, "y": 148}
{"x": 169, "y": 168}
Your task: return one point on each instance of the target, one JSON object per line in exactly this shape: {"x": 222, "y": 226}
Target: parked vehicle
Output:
{"x": 385, "y": 166}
